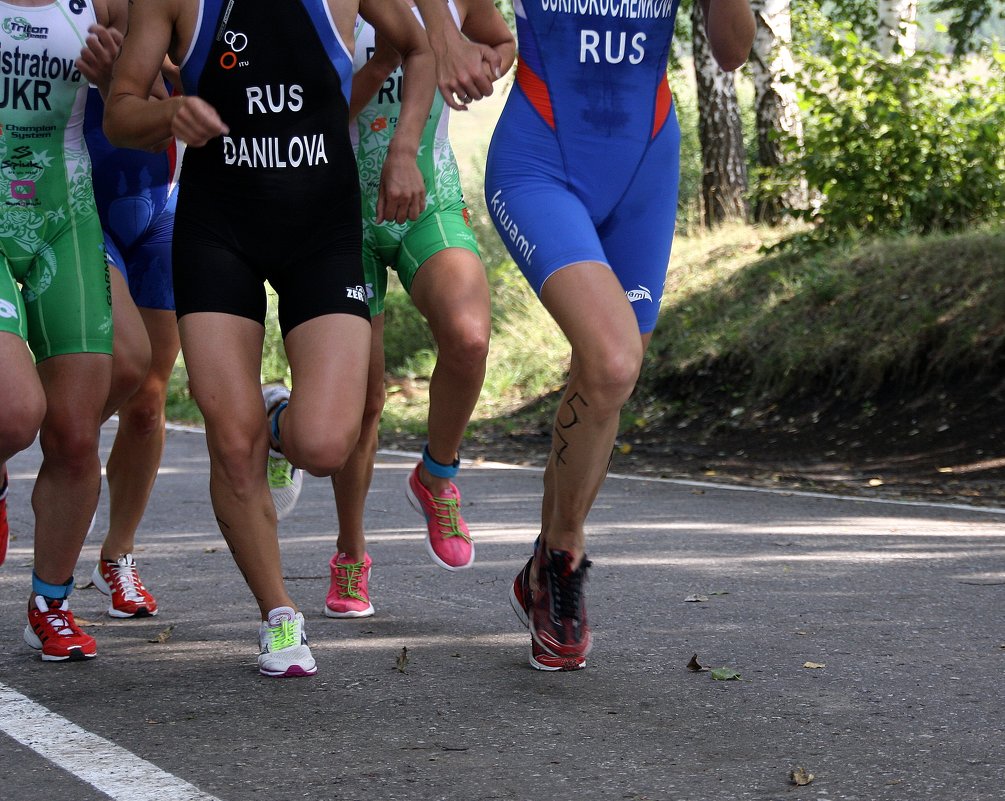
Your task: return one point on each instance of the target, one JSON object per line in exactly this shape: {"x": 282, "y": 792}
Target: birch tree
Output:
{"x": 776, "y": 103}
{"x": 897, "y": 34}
{"x": 724, "y": 163}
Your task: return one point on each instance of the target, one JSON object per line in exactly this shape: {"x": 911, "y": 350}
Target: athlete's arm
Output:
{"x": 731, "y": 28}
{"x": 484, "y": 25}
{"x": 97, "y": 56}
{"x": 132, "y": 117}
{"x": 464, "y": 70}
{"x": 371, "y": 76}
{"x": 103, "y": 42}
{"x": 402, "y": 194}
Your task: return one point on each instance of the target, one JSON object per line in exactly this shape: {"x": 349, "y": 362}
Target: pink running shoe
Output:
{"x": 447, "y": 537}
{"x": 349, "y": 595}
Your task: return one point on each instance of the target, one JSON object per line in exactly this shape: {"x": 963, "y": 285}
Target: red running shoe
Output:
{"x": 4, "y": 528}
{"x": 52, "y": 630}
{"x": 557, "y": 612}
{"x": 120, "y": 581}
{"x": 519, "y": 593}
{"x": 447, "y": 537}
{"x": 540, "y": 659}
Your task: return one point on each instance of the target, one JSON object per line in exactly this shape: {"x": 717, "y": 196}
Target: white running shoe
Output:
{"x": 285, "y": 483}
{"x": 284, "y": 651}
{"x": 285, "y": 480}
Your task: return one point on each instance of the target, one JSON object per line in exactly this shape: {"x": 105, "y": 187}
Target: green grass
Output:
{"x": 902, "y": 310}
{"x": 907, "y": 311}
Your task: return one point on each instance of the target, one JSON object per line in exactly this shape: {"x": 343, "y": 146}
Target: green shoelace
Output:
{"x": 283, "y": 636}
{"x": 447, "y": 515}
{"x": 348, "y": 578}
{"x": 279, "y": 473}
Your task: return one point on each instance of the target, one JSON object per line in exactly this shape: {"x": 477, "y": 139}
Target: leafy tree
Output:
{"x": 914, "y": 145}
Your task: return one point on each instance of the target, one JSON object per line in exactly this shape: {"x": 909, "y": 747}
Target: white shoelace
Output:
{"x": 127, "y": 579}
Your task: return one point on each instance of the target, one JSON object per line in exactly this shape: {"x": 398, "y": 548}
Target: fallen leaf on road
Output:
{"x": 800, "y": 776}
{"x": 875, "y": 482}
{"x": 164, "y": 636}
{"x": 694, "y": 666}
{"x": 83, "y": 622}
{"x": 402, "y": 659}
{"x": 697, "y": 492}
{"x": 693, "y": 599}
{"x": 725, "y": 674}
{"x": 209, "y": 550}
{"x": 814, "y": 665}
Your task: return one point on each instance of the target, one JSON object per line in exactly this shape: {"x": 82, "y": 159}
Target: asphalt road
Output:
{"x": 901, "y": 606}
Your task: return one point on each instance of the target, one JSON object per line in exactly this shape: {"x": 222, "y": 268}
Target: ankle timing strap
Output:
{"x": 47, "y": 590}
{"x": 437, "y": 469}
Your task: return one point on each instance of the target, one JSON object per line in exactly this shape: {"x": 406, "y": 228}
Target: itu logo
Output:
{"x": 19, "y": 29}
{"x": 642, "y": 293}
{"x": 236, "y": 42}
{"x": 7, "y": 310}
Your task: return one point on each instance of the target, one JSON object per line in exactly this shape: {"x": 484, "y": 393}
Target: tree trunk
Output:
{"x": 724, "y": 174}
{"x": 897, "y": 26}
{"x": 775, "y": 101}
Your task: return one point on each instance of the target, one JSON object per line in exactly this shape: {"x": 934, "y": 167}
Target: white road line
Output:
{"x": 107, "y": 767}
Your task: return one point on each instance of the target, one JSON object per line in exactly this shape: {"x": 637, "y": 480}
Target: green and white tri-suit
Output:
{"x": 445, "y": 221}
{"x": 54, "y": 289}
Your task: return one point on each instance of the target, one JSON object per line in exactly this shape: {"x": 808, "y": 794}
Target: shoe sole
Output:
{"x": 76, "y": 655}
{"x": 565, "y": 664}
{"x": 292, "y": 672}
{"x": 142, "y": 612}
{"x": 347, "y": 615}
{"x": 416, "y": 504}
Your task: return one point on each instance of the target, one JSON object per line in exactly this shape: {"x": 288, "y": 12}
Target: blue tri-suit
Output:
{"x": 585, "y": 159}
{"x": 136, "y": 193}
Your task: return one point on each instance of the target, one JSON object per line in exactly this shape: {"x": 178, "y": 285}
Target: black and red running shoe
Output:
{"x": 553, "y": 607}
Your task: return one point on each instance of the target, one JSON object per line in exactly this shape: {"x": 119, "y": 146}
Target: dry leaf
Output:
{"x": 164, "y": 636}
{"x": 800, "y": 776}
{"x": 697, "y": 492}
{"x": 694, "y": 666}
{"x": 209, "y": 550}
{"x": 694, "y": 599}
{"x": 402, "y": 659}
{"x": 814, "y": 665}
{"x": 875, "y": 482}
{"x": 83, "y": 622}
